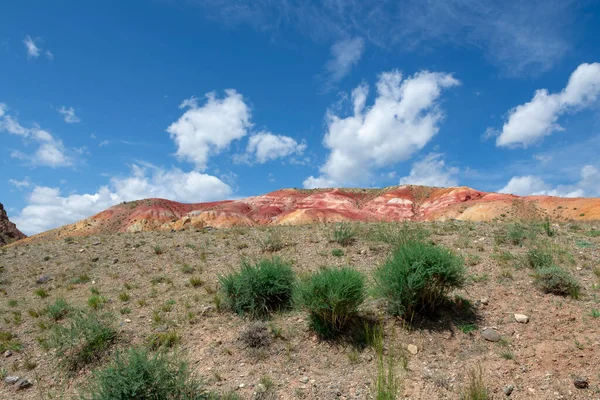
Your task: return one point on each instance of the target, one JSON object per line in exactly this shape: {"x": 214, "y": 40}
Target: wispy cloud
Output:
{"x": 518, "y": 36}
{"x": 69, "y": 115}
{"x": 345, "y": 54}
{"x": 33, "y": 51}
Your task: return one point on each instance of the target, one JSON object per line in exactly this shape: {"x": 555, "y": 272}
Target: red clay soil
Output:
{"x": 298, "y": 207}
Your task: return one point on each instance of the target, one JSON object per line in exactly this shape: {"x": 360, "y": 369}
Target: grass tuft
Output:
{"x": 558, "y": 281}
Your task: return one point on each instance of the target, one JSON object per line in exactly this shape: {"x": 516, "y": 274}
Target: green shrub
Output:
{"x": 344, "y": 235}
{"x": 41, "y": 293}
{"x": 550, "y": 232}
{"x": 272, "y": 243}
{"x": 139, "y": 375}
{"x": 259, "y": 289}
{"x": 332, "y": 297}
{"x": 516, "y": 234}
{"x": 84, "y": 339}
{"x": 558, "y": 281}
{"x": 539, "y": 257}
{"x": 58, "y": 310}
{"x": 418, "y": 276}
{"x": 337, "y": 252}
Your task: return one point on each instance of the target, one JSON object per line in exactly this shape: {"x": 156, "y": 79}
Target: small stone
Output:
{"x": 23, "y": 384}
{"x": 11, "y": 380}
{"x": 96, "y": 243}
{"x": 304, "y": 379}
{"x": 8, "y": 353}
{"x": 508, "y": 389}
{"x": 491, "y": 335}
{"x": 521, "y": 318}
{"x": 127, "y": 320}
{"x": 43, "y": 279}
{"x": 81, "y": 250}
{"x": 581, "y": 383}
{"x": 242, "y": 385}
{"x": 485, "y": 301}
{"x": 412, "y": 349}
{"x": 95, "y": 259}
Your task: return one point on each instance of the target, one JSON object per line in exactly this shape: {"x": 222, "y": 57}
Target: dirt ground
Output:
{"x": 540, "y": 359}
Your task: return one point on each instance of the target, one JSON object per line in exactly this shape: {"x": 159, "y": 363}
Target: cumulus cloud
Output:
{"x": 405, "y": 116}
{"x": 33, "y": 51}
{"x": 265, "y": 146}
{"x": 588, "y": 185}
{"x": 344, "y": 55}
{"x": 210, "y": 128}
{"x": 50, "y": 152}
{"x": 431, "y": 170}
{"x": 48, "y": 208}
{"x": 69, "y": 115}
{"x": 25, "y": 183}
{"x": 529, "y": 123}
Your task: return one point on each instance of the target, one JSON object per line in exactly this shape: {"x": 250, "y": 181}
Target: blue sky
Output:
{"x": 205, "y": 100}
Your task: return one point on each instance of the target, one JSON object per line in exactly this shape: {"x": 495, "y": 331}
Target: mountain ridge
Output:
{"x": 304, "y": 206}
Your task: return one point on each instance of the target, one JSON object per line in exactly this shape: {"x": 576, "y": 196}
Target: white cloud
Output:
{"x": 47, "y": 208}
{"x": 528, "y": 123}
{"x": 264, "y": 146}
{"x": 20, "y": 184}
{"x": 209, "y": 129}
{"x": 69, "y": 115}
{"x": 49, "y": 55}
{"x": 588, "y": 185}
{"x": 50, "y": 152}
{"x": 431, "y": 170}
{"x": 403, "y": 119}
{"x": 344, "y": 55}
{"x": 32, "y": 49}
{"x": 2, "y": 109}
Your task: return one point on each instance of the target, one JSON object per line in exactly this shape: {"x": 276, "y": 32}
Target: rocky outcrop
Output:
{"x": 8, "y": 230}
{"x": 296, "y": 206}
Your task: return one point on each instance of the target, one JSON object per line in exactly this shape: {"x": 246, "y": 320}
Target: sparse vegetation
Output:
{"x": 41, "y": 293}
{"x": 84, "y": 339}
{"x": 332, "y": 297}
{"x": 343, "y": 234}
{"x": 259, "y": 289}
{"x": 417, "y": 277}
{"x": 337, "y": 252}
{"x": 558, "y": 281}
{"x": 137, "y": 374}
{"x": 164, "y": 340}
{"x": 272, "y": 243}
{"x": 475, "y": 388}
{"x": 58, "y": 310}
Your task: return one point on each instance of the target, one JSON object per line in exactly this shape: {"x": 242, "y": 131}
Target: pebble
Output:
{"x": 521, "y": 318}
{"x": 43, "y": 279}
{"x": 412, "y": 349}
{"x": 304, "y": 379}
{"x": 581, "y": 383}
{"x": 485, "y": 301}
{"x": 491, "y": 335}
{"x": 11, "y": 380}
{"x": 8, "y": 353}
{"x": 508, "y": 389}
{"x": 81, "y": 250}
{"x": 23, "y": 384}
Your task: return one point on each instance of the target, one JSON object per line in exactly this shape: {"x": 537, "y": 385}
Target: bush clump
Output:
{"x": 539, "y": 257}
{"x": 557, "y": 280}
{"x": 84, "y": 339}
{"x": 137, "y": 374}
{"x": 418, "y": 276}
{"x": 58, "y": 310}
{"x": 259, "y": 289}
{"x": 332, "y": 297}
{"x": 344, "y": 235}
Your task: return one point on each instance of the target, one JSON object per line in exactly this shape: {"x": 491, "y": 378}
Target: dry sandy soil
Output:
{"x": 540, "y": 359}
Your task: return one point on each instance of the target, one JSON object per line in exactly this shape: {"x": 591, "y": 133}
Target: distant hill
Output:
{"x": 298, "y": 206}
{"x": 8, "y": 231}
